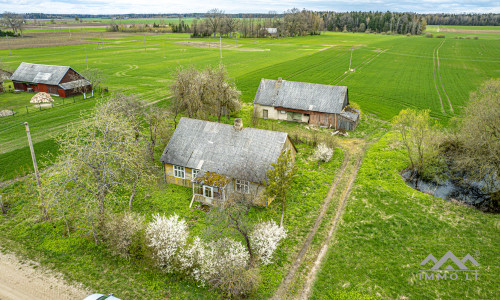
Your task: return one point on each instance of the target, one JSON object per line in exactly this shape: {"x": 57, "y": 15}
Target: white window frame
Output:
{"x": 194, "y": 172}
{"x": 208, "y": 187}
{"x": 282, "y": 112}
{"x": 242, "y": 186}
{"x": 178, "y": 170}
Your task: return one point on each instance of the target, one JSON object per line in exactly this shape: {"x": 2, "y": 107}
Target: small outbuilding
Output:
{"x": 315, "y": 104}
{"x": 60, "y": 81}
{"x": 221, "y": 161}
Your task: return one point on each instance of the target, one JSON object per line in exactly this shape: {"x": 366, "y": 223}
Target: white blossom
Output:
{"x": 265, "y": 238}
{"x": 323, "y": 153}
{"x": 167, "y": 236}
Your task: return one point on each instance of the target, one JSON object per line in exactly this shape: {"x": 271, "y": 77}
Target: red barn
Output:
{"x": 56, "y": 80}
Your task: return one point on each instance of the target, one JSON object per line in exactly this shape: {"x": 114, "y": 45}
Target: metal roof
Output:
{"x": 244, "y": 154}
{"x": 302, "y": 96}
{"x": 75, "y": 84}
{"x": 352, "y": 114}
{"x": 46, "y": 74}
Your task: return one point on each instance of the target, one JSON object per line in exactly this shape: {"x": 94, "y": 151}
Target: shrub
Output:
{"x": 429, "y": 35}
{"x": 265, "y": 238}
{"x": 476, "y": 38}
{"x": 120, "y": 231}
{"x": 440, "y": 36}
{"x": 467, "y": 38}
{"x": 167, "y": 236}
{"x": 323, "y": 153}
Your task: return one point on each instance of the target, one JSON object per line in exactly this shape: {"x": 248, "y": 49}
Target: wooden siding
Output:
{"x": 71, "y": 75}
{"x": 170, "y": 178}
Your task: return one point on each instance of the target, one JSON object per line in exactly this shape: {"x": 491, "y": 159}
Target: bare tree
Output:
{"x": 14, "y": 21}
{"x": 214, "y": 18}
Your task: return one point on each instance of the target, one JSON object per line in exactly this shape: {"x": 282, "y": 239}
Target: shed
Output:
{"x": 60, "y": 81}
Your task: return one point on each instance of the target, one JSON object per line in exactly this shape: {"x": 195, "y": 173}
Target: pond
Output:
{"x": 451, "y": 190}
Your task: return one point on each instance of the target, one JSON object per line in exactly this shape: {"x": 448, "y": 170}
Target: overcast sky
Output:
{"x": 231, "y": 6}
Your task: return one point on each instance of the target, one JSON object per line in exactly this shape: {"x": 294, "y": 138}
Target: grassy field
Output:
{"x": 390, "y": 73}
{"x": 388, "y": 229}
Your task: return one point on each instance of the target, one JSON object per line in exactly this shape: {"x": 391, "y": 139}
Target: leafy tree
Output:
{"x": 479, "y": 137}
{"x": 279, "y": 180}
{"x": 415, "y": 133}
{"x": 13, "y": 21}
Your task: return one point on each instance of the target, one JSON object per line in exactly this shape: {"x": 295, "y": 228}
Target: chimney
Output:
{"x": 238, "y": 124}
{"x": 280, "y": 79}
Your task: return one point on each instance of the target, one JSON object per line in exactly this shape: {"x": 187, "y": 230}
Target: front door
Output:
{"x": 264, "y": 113}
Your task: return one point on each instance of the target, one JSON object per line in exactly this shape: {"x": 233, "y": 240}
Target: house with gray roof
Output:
{"x": 315, "y": 104}
{"x": 221, "y": 161}
{"x": 60, "y": 81}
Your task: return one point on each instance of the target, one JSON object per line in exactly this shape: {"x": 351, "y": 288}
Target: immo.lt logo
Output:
{"x": 449, "y": 267}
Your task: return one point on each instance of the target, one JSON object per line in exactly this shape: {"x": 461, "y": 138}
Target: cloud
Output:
{"x": 169, "y": 6}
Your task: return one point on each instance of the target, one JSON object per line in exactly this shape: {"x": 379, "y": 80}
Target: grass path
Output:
{"x": 283, "y": 288}
{"x": 306, "y": 291}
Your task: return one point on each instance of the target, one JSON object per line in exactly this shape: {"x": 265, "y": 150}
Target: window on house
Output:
{"x": 282, "y": 112}
{"x": 194, "y": 173}
{"x": 179, "y": 172}
{"x": 265, "y": 113}
{"x": 208, "y": 191}
{"x": 242, "y": 186}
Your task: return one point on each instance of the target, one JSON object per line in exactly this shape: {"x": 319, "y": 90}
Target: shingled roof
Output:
{"x": 302, "y": 96}
{"x": 46, "y": 74}
{"x": 245, "y": 154}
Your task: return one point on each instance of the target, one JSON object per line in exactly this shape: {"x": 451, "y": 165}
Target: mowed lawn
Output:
{"x": 388, "y": 229}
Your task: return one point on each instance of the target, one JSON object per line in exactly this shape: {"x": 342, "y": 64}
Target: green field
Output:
{"x": 391, "y": 72}
{"x": 387, "y": 227}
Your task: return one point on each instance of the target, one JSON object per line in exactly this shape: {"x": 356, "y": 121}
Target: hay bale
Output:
{"x": 41, "y": 97}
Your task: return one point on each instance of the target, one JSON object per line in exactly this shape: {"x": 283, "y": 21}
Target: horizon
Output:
{"x": 123, "y": 7}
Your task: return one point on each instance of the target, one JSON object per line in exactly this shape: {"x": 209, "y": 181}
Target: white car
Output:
{"x": 101, "y": 297}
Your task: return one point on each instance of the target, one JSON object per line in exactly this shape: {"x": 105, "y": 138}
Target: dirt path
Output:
{"x": 27, "y": 281}
{"x": 306, "y": 291}
{"x": 283, "y": 288}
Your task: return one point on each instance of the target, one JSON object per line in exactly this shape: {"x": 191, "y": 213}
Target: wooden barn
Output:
{"x": 56, "y": 80}
{"x": 315, "y": 104}
{"x": 221, "y": 161}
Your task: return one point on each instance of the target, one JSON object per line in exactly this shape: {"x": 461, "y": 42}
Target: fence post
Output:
{"x": 40, "y": 106}
{"x": 63, "y": 101}
{"x": 27, "y": 112}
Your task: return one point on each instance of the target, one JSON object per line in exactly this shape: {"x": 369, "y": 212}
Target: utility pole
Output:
{"x": 352, "y": 48}
{"x": 86, "y": 58}
{"x": 208, "y": 42}
{"x": 8, "y": 43}
{"x": 220, "y": 46}
{"x": 37, "y": 175}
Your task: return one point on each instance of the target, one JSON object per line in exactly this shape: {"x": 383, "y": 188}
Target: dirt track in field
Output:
{"x": 484, "y": 31}
{"x": 27, "y": 281}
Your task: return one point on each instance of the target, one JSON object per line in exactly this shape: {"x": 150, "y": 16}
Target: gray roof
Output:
{"x": 352, "y": 114}
{"x": 302, "y": 96}
{"x": 74, "y": 84}
{"x": 35, "y": 73}
{"x": 244, "y": 154}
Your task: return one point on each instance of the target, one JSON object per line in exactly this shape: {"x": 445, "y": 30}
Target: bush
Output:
{"x": 323, "y": 153}
{"x": 121, "y": 231}
{"x": 167, "y": 236}
{"x": 440, "y": 36}
{"x": 429, "y": 35}
{"x": 265, "y": 238}
{"x": 476, "y": 38}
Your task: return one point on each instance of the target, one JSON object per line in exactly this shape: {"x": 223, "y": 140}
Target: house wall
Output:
{"x": 170, "y": 178}
{"x": 20, "y": 86}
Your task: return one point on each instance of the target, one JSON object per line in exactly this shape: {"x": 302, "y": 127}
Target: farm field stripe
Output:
{"x": 441, "y": 79}
{"x": 435, "y": 81}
